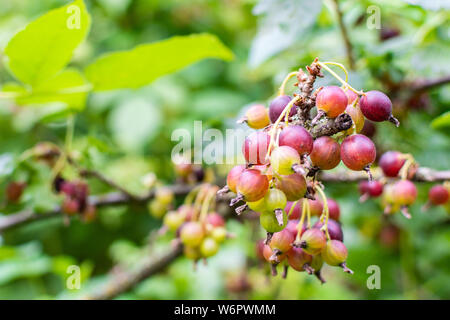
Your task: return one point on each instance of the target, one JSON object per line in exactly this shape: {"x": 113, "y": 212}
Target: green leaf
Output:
{"x": 38, "y": 52}
{"x": 442, "y": 121}
{"x": 68, "y": 87}
{"x": 143, "y": 64}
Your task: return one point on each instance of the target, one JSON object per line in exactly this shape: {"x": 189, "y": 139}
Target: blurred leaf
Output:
{"x": 45, "y": 46}
{"x": 282, "y": 23}
{"x": 430, "y": 4}
{"x": 442, "y": 121}
{"x": 143, "y": 64}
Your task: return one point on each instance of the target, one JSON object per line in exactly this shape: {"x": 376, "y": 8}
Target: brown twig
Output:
{"x": 422, "y": 85}
{"x": 332, "y": 126}
{"x": 346, "y": 38}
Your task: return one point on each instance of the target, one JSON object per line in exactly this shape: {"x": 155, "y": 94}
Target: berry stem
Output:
{"x": 206, "y": 203}
{"x": 283, "y": 84}
{"x": 292, "y": 208}
{"x": 334, "y": 74}
{"x": 325, "y": 211}
{"x": 302, "y": 219}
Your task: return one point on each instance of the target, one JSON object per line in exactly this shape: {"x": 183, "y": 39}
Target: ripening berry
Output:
{"x": 252, "y": 185}
{"x": 277, "y": 106}
{"x": 371, "y": 188}
{"x": 292, "y": 227}
{"x": 326, "y": 153}
{"x": 377, "y": 106}
{"x": 357, "y": 118}
{"x": 215, "y": 219}
{"x": 157, "y": 209}
{"x": 388, "y": 201}
{"x": 275, "y": 199}
{"x": 270, "y": 223}
{"x": 208, "y": 247}
{"x": 404, "y": 192}
{"x": 173, "y": 220}
{"x": 70, "y": 206}
{"x": 271, "y": 256}
{"x": 183, "y": 169}
{"x": 335, "y": 253}
{"x": 255, "y": 147}
{"x": 265, "y": 170}
{"x": 259, "y": 249}
{"x": 297, "y": 138}
{"x": 357, "y": 152}
{"x": 284, "y": 159}
{"x": 192, "y": 234}
{"x": 296, "y": 212}
{"x": 315, "y": 207}
{"x": 164, "y": 195}
{"x": 293, "y": 186}
{"x": 257, "y": 206}
{"x": 192, "y": 253}
{"x": 351, "y": 95}
{"x": 332, "y": 100}
{"x": 333, "y": 209}
{"x": 282, "y": 241}
{"x": 187, "y": 211}
{"x": 313, "y": 241}
{"x": 257, "y": 117}
{"x": 233, "y": 177}
{"x": 299, "y": 260}
{"x": 438, "y": 195}
{"x": 334, "y": 229}
{"x": 219, "y": 234}
{"x": 391, "y": 162}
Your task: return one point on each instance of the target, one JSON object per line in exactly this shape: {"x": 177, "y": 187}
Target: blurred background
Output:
{"x": 127, "y": 134}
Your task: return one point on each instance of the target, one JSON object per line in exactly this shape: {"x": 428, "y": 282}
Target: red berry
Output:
{"x": 233, "y": 177}
{"x": 272, "y": 256}
{"x": 295, "y": 214}
{"x": 257, "y": 117}
{"x": 391, "y": 162}
{"x": 313, "y": 241}
{"x": 277, "y": 106}
{"x": 192, "y": 234}
{"x": 371, "y": 188}
{"x": 334, "y": 229}
{"x": 369, "y": 129}
{"x": 293, "y": 186}
{"x": 299, "y": 260}
{"x": 438, "y": 194}
{"x": 326, "y": 153}
{"x": 332, "y": 100}
{"x": 333, "y": 209}
{"x": 252, "y": 185}
{"x": 315, "y": 206}
{"x": 282, "y": 241}
{"x": 70, "y": 206}
{"x": 297, "y": 138}
{"x": 255, "y": 147}
{"x": 292, "y": 227}
{"x": 377, "y": 106}
{"x": 215, "y": 220}
{"x": 404, "y": 192}
{"x": 357, "y": 152}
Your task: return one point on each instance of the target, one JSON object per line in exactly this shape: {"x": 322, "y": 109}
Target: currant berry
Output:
{"x": 259, "y": 250}
{"x": 404, "y": 195}
{"x": 316, "y": 264}
{"x": 315, "y": 207}
{"x": 270, "y": 223}
{"x": 377, "y": 106}
{"x": 157, "y": 209}
{"x": 255, "y": 147}
{"x": 293, "y": 186}
{"x": 297, "y": 138}
{"x": 438, "y": 195}
{"x": 334, "y": 229}
{"x": 326, "y": 153}
{"x": 357, "y": 118}
{"x": 275, "y": 200}
{"x": 257, "y": 117}
{"x": 272, "y": 257}
{"x": 333, "y": 209}
{"x": 164, "y": 195}
{"x": 391, "y": 162}
{"x": 299, "y": 260}
{"x": 282, "y": 241}
{"x": 173, "y": 220}
{"x": 257, "y": 206}
{"x": 70, "y": 206}
{"x": 370, "y": 189}
{"x": 358, "y": 152}
{"x": 388, "y": 200}
{"x": 219, "y": 234}
{"x": 277, "y": 106}
{"x": 312, "y": 241}
{"x": 252, "y": 185}
{"x": 331, "y": 101}
{"x": 209, "y": 247}
{"x": 192, "y": 234}
{"x": 215, "y": 219}
{"x": 292, "y": 227}
{"x": 335, "y": 254}
{"x": 295, "y": 214}
{"x": 233, "y": 177}
{"x": 186, "y": 211}
{"x": 284, "y": 159}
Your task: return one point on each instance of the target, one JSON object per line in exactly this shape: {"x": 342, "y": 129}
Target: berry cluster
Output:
{"x": 75, "y": 198}
{"x": 283, "y": 158}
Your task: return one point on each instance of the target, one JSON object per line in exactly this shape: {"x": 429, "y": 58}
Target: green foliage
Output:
{"x": 441, "y": 121}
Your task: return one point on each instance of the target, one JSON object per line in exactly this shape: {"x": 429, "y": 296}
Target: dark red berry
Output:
{"x": 438, "y": 195}
{"x": 357, "y": 152}
{"x": 377, "y": 106}
{"x": 296, "y": 212}
{"x": 255, "y": 147}
{"x": 334, "y": 229}
{"x": 299, "y": 260}
{"x": 371, "y": 188}
{"x": 333, "y": 209}
{"x": 215, "y": 220}
{"x": 252, "y": 185}
{"x": 297, "y": 138}
{"x": 391, "y": 162}
{"x": 277, "y": 106}
{"x": 325, "y": 153}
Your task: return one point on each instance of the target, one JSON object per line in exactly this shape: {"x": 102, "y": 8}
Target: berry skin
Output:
{"x": 376, "y": 106}
{"x": 252, "y": 185}
{"x": 259, "y": 249}
{"x": 270, "y": 223}
{"x": 283, "y": 159}
{"x": 215, "y": 220}
{"x": 299, "y": 260}
{"x": 334, "y": 229}
{"x": 209, "y": 247}
{"x": 313, "y": 241}
{"x": 335, "y": 254}
{"x": 297, "y": 138}
{"x": 219, "y": 234}
{"x": 173, "y": 220}
{"x": 257, "y": 117}
{"x": 293, "y": 186}
{"x": 316, "y": 207}
{"x": 257, "y": 206}
{"x": 391, "y": 162}
{"x": 255, "y": 147}
{"x": 282, "y": 241}
{"x": 357, "y": 118}
{"x": 357, "y": 152}
{"x": 292, "y": 226}
{"x": 277, "y": 106}
{"x": 404, "y": 192}
{"x": 352, "y": 96}
{"x": 70, "y": 206}
{"x": 233, "y": 177}
{"x": 332, "y": 100}
{"x": 333, "y": 209}
{"x": 326, "y": 153}
{"x": 192, "y": 234}
{"x": 295, "y": 214}
{"x": 371, "y": 188}
{"x": 274, "y": 199}
{"x": 438, "y": 195}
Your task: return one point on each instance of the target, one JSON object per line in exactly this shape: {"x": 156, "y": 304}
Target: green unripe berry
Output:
{"x": 257, "y": 206}
{"x": 283, "y": 159}
{"x": 219, "y": 234}
{"x": 209, "y": 247}
{"x": 192, "y": 234}
{"x": 157, "y": 209}
{"x": 275, "y": 199}
{"x": 270, "y": 223}
{"x": 173, "y": 220}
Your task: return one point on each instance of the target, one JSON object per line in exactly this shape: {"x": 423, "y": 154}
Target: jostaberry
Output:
{"x": 358, "y": 152}
{"x": 297, "y": 138}
{"x": 377, "y": 106}
{"x": 326, "y": 153}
